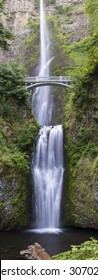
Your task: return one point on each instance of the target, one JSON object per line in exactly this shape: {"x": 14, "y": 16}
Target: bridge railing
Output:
{"x": 50, "y": 78}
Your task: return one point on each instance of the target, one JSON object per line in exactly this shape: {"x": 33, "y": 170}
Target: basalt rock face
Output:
{"x": 22, "y": 16}
{"x": 15, "y": 16}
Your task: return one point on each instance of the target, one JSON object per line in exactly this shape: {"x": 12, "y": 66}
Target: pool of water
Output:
{"x": 12, "y": 242}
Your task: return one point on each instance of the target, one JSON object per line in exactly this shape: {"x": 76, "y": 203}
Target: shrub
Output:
{"x": 12, "y": 82}
{"x": 86, "y": 251}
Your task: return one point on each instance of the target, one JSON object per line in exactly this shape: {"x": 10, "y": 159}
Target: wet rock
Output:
{"x": 35, "y": 252}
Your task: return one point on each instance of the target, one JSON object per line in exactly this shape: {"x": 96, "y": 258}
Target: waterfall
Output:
{"x": 47, "y": 162}
{"x": 42, "y": 101}
{"x": 48, "y": 176}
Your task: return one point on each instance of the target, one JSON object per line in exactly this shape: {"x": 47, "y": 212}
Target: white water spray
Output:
{"x": 47, "y": 164}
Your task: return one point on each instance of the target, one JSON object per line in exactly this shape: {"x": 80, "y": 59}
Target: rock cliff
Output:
{"x": 20, "y": 17}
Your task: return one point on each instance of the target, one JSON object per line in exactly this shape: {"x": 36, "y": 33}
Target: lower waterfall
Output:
{"x": 48, "y": 176}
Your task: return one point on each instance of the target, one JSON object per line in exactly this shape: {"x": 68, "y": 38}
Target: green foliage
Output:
{"x": 18, "y": 130}
{"x": 64, "y": 10}
{"x": 77, "y": 150}
{"x": 91, "y": 9}
{"x": 19, "y": 203}
{"x": 37, "y": 3}
{"x": 16, "y": 141}
{"x": 31, "y": 44}
{"x": 60, "y": 38}
{"x": 1, "y": 206}
{"x": 81, "y": 118}
{"x": 2, "y": 2}
{"x": 8, "y": 110}
{"x": 5, "y": 35}
{"x": 50, "y": 2}
{"x": 12, "y": 83}
{"x": 15, "y": 199}
{"x": 15, "y": 159}
{"x": 81, "y": 102}
{"x": 84, "y": 53}
{"x": 86, "y": 251}
{"x": 26, "y": 136}
{"x": 18, "y": 126}
{"x": 95, "y": 117}
{"x": 85, "y": 133}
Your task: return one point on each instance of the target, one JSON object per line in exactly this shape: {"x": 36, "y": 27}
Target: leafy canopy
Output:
{"x": 12, "y": 82}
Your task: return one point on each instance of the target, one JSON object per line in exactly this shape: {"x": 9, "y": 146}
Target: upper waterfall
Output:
{"x": 42, "y": 100}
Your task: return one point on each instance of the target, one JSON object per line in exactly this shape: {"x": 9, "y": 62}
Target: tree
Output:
{"x": 12, "y": 82}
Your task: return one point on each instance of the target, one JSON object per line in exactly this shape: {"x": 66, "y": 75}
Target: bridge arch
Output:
{"x": 37, "y": 81}
{"x": 31, "y": 86}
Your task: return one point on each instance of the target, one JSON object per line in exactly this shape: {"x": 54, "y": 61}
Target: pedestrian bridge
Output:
{"x": 36, "y": 81}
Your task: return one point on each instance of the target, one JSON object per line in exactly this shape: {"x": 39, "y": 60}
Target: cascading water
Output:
{"x": 47, "y": 163}
{"x": 48, "y": 176}
{"x": 42, "y": 102}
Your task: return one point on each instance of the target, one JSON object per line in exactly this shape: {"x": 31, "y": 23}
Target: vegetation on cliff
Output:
{"x": 18, "y": 130}
{"x": 2, "y": 4}
{"x": 18, "y": 126}
{"x": 81, "y": 112}
{"x": 5, "y": 33}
